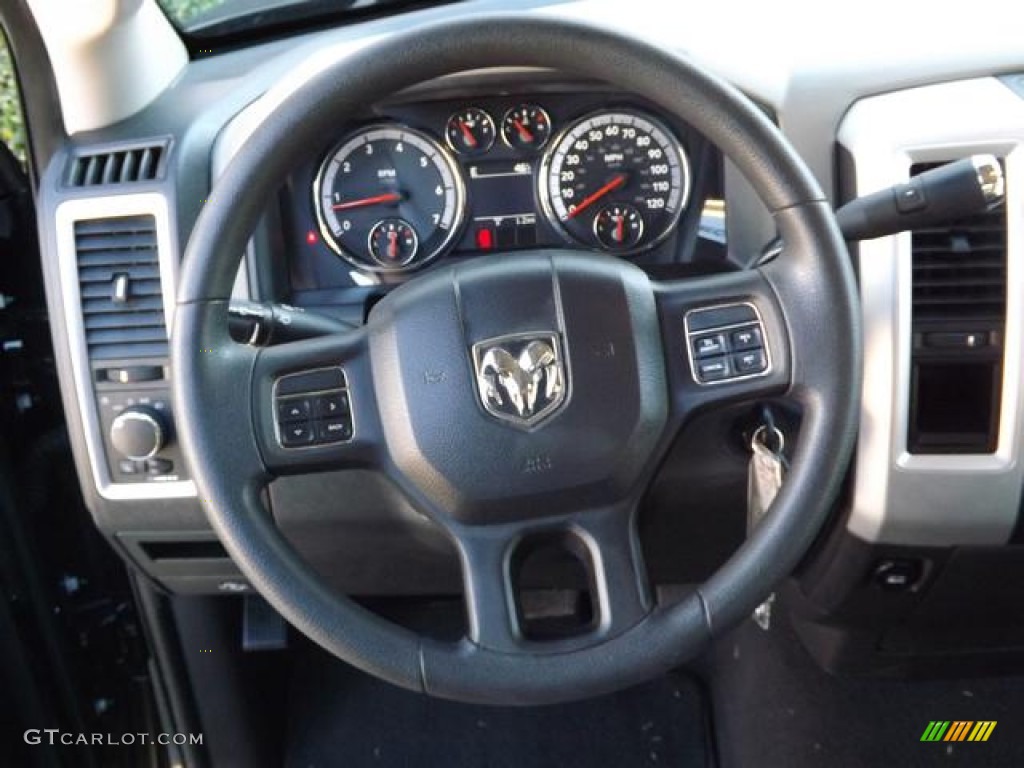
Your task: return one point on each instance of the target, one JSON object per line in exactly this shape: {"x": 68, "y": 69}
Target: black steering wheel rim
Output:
{"x": 812, "y": 280}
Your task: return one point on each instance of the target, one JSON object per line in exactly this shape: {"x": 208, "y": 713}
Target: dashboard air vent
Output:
{"x": 960, "y": 269}
{"x": 958, "y": 321}
{"x": 119, "y": 278}
{"x": 120, "y": 166}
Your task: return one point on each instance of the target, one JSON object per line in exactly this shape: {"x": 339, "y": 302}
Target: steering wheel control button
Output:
{"x": 714, "y": 369}
{"x": 293, "y": 409}
{"x": 313, "y": 408}
{"x": 333, "y": 430}
{"x": 330, "y": 406}
{"x": 749, "y": 362}
{"x": 311, "y": 381}
{"x": 720, "y": 317}
{"x": 746, "y": 338}
{"x": 711, "y": 345}
{"x": 296, "y": 434}
{"x": 726, "y": 343}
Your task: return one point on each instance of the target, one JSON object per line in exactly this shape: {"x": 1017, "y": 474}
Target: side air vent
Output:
{"x": 119, "y": 278}
{"x": 960, "y": 269}
{"x": 120, "y": 166}
{"x": 959, "y": 317}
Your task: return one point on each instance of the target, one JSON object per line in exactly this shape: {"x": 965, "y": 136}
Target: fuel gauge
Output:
{"x": 470, "y": 132}
{"x": 393, "y": 243}
{"x": 618, "y": 226}
{"x": 526, "y": 127}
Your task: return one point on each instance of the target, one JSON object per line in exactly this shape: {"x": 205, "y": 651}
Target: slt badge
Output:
{"x": 520, "y": 379}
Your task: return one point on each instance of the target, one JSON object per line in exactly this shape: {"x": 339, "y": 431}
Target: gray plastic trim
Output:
{"x": 947, "y": 500}
{"x": 66, "y": 215}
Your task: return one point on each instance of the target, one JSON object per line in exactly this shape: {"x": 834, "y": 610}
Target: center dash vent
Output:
{"x": 119, "y": 166}
{"x": 119, "y": 278}
{"x": 960, "y": 268}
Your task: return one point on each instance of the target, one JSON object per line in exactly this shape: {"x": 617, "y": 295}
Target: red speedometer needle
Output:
{"x": 467, "y": 134}
{"x": 390, "y": 197}
{"x": 524, "y": 132}
{"x": 588, "y": 201}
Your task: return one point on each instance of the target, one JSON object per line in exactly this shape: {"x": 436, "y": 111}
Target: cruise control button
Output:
{"x": 295, "y": 409}
{"x": 333, "y": 430}
{"x": 327, "y": 406}
{"x": 710, "y": 345}
{"x": 746, "y": 338}
{"x": 714, "y": 369}
{"x": 296, "y": 434}
{"x": 749, "y": 362}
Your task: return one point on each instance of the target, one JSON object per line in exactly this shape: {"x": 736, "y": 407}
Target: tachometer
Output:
{"x": 389, "y": 198}
{"x": 615, "y": 181}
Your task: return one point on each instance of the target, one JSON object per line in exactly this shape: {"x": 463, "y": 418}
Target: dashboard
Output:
{"x": 505, "y": 169}
{"x": 506, "y": 161}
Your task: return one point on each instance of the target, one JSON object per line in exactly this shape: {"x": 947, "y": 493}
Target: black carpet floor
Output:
{"x": 775, "y": 708}
{"x": 341, "y": 717}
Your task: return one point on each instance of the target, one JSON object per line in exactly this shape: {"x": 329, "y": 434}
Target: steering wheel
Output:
{"x": 615, "y": 367}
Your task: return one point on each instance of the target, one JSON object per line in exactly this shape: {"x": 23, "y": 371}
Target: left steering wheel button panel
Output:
{"x": 313, "y": 408}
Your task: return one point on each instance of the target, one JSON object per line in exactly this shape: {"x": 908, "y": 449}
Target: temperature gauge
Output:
{"x": 393, "y": 243}
{"x": 526, "y": 127}
{"x": 470, "y": 132}
{"x": 618, "y": 226}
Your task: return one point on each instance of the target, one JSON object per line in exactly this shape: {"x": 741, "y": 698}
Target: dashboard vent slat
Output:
{"x": 119, "y": 280}
{"x": 117, "y": 166}
{"x": 959, "y": 271}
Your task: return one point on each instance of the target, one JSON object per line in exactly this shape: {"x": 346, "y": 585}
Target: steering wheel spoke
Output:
{"x": 726, "y": 339}
{"x": 313, "y": 404}
{"x": 610, "y": 596}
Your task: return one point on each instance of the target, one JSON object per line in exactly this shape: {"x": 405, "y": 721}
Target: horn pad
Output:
{"x": 520, "y": 386}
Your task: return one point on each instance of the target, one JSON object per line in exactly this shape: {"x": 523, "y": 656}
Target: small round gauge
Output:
{"x": 618, "y": 226}
{"x": 617, "y": 158}
{"x": 470, "y": 131}
{"x": 393, "y": 242}
{"x": 526, "y": 127}
{"x": 393, "y": 176}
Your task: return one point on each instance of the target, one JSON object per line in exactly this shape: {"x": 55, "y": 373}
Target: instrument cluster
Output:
{"x": 399, "y": 192}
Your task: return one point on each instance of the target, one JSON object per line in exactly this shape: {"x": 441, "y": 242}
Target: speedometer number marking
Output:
{"x": 613, "y": 159}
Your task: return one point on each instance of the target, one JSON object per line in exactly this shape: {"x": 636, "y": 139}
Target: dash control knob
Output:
{"x": 138, "y": 433}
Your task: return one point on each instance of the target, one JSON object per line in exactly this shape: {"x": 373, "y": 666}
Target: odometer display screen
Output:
{"x": 615, "y": 181}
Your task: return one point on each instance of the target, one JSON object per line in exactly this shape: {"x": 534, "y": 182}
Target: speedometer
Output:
{"x": 615, "y": 181}
{"x": 389, "y": 198}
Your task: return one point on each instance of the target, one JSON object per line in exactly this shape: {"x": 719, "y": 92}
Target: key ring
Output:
{"x": 764, "y": 431}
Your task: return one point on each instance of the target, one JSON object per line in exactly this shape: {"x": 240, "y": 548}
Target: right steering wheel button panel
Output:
{"x": 726, "y": 343}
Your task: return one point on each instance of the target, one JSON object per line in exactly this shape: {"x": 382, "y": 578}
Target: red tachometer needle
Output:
{"x": 588, "y": 201}
{"x": 467, "y": 134}
{"x": 524, "y": 132}
{"x": 390, "y": 197}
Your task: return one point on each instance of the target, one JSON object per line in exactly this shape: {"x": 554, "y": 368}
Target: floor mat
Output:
{"x": 342, "y": 717}
{"x": 775, "y": 708}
